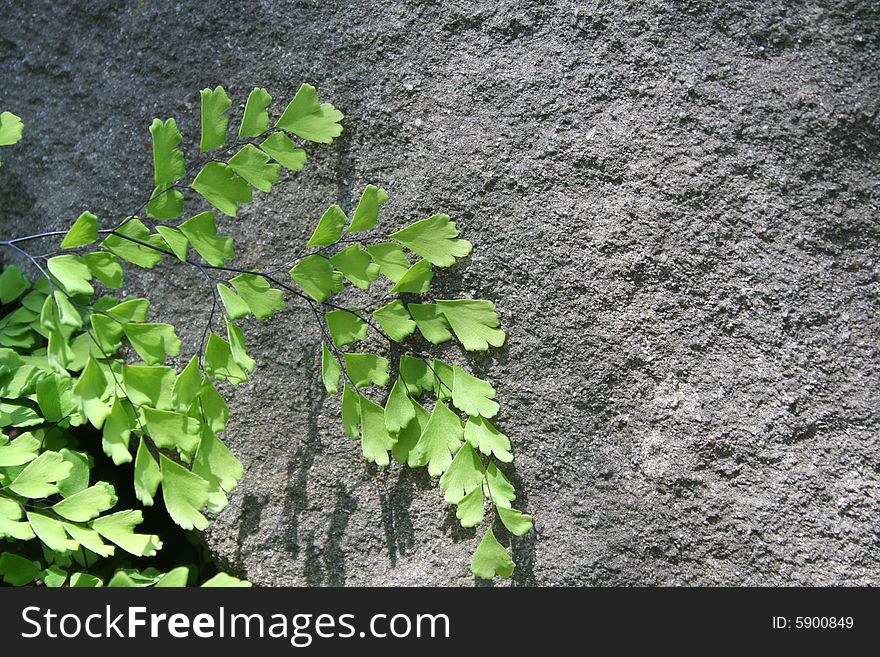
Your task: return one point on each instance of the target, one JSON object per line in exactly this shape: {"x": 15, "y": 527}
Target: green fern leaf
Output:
{"x": 306, "y": 117}
{"x": 170, "y": 430}
{"x": 83, "y": 232}
{"x": 168, "y": 165}
{"x": 329, "y": 228}
{"x": 153, "y": 342}
{"x": 345, "y": 327}
{"x": 472, "y": 395}
{"x": 399, "y": 408}
{"x": 351, "y": 412}
{"x": 256, "y": 119}
{"x": 516, "y": 522}
{"x": 392, "y": 261}
{"x": 416, "y": 280}
{"x": 149, "y": 385}
{"x": 280, "y": 148}
{"x": 117, "y": 432}
{"x": 72, "y": 273}
{"x": 415, "y": 375}
{"x": 408, "y": 437}
{"x": 376, "y": 441}
{"x": 330, "y": 370}
{"x": 435, "y": 239}
{"x": 105, "y": 267}
{"x": 201, "y": 231}
{"x": 431, "y": 322}
{"x": 88, "y": 503}
{"x": 317, "y": 278}
{"x": 218, "y": 184}
{"x": 474, "y": 321}
{"x": 235, "y": 306}
{"x": 253, "y": 165}
{"x": 499, "y": 489}
{"x": 356, "y": 265}
{"x": 215, "y": 122}
{"x": 366, "y": 215}
{"x": 440, "y": 439}
{"x": 147, "y": 475}
{"x": 133, "y": 251}
{"x": 367, "y": 369}
{"x": 118, "y": 528}
{"x": 185, "y": 494}
{"x": 463, "y": 475}
{"x": 11, "y": 129}
{"x": 483, "y": 435}
{"x": 176, "y": 241}
{"x": 263, "y": 300}
{"x": 395, "y": 320}
{"x": 471, "y": 508}
{"x": 219, "y": 363}
{"x": 218, "y": 466}
{"x": 40, "y": 476}
{"x": 491, "y": 558}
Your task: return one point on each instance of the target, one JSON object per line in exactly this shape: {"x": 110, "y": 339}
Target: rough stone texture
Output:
{"x": 674, "y": 205}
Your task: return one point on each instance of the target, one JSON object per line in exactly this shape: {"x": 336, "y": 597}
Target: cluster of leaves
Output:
{"x": 456, "y": 439}
{"x": 51, "y": 390}
{"x": 70, "y": 357}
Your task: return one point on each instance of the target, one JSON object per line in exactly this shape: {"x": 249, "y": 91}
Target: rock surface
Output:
{"x": 674, "y": 205}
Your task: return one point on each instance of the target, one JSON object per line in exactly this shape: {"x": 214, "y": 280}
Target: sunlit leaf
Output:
{"x": 329, "y": 228}
{"x": 317, "y": 278}
{"x": 256, "y": 119}
{"x": 176, "y": 241}
{"x": 439, "y": 441}
{"x": 483, "y": 435}
{"x": 185, "y": 494}
{"x": 392, "y": 261}
{"x": 463, "y": 475}
{"x": 153, "y": 342}
{"x": 474, "y": 322}
{"x": 491, "y": 558}
{"x": 399, "y": 408}
{"x": 435, "y": 239}
{"x": 253, "y": 165}
{"x": 306, "y": 117}
{"x": 431, "y": 322}
{"x": 84, "y": 231}
{"x": 118, "y": 528}
{"x": 40, "y": 476}
{"x": 215, "y": 121}
{"x": 330, "y": 370}
{"x": 133, "y": 242}
{"x": 345, "y": 327}
{"x": 88, "y": 503}
{"x": 201, "y": 231}
{"x": 395, "y": 320}
{"x": 263, "y": 300}
{"x": 516, "y": 522}
{"x": 357, "y": 265}
{"x": 281, "y": 149}
{"x": 416, "y": 279}
{"x": 105, "y": 267}
{"x": 219, "y": 185}
{"x": 376, "y": 441}
{"x": 72, "y": 272}
{"x": 366, "y": 215}
{"x": 147, "y": 475}
{"x": 168, "y": 165}
{"x": 366, "y": 369}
